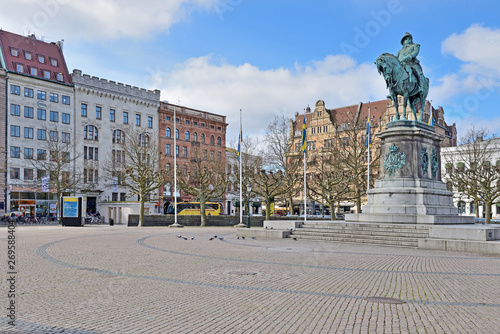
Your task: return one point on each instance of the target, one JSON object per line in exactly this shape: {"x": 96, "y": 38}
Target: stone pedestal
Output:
{"x": 410, "y": 190}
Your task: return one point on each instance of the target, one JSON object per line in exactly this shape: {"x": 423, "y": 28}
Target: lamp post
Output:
{"x": 249, "y": 190}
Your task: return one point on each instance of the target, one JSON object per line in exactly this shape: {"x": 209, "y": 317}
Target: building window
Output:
{"x": 54, "y": 97}
{"x": 118, "y": 137}
{"x": 66, "y": 137}
{"x": 125, "y": 117}
{"x": 41, "y": 59}
{"x": 28, "y": 112}
{"x": 54, "y": 136}
{"x": 28, "y": 55}
{"x": 203, "y": 138}
{"x": 112, "y": 115}
{"x": 53, "y": 62}
{"x": 204, "y": 154}
{"x": 212, "y": 140}
{"x": 28, "y": 153}
{"x": 34, "y": 71}
{"x": 177, "y": 120}
{"x": 15, "y": 131}
{"x": 143, "y": 140}
{"x": 211, "y": 155}
{"x": 60, "y": 77}
{"x": 19, "y": 68}
{"x": 91, "y": 153}
{"x": 65, "y": 118}
{"x": 15, "y": 152}
{"x": 176, "y": 133}
{"x": 28, "y": 92}
{"x": 41, "y": 154}
{"x": 219, "y": 141}
{"x": 54, "y": 116}
{"x": 184, "y": 151}
{"x": 65, "y": 99}
{"x": 212, "y": 127}
{"x": 90, "y": 132}
{"x": 168, "y": 133}
{"x": 168, "y": 149}
{"x": 184, "y": 171}
{"x": 28, "y": 174}
{"x": 16, "y": 90}
{"x": 472, "y": 207}
{"x": 28, "y": 133}
{"x": 186, "y": 135}
{"x": 202, "y": 125}
{"x": 41, "y": 114}
{"x": 83, "y": 110}
{"x": 41, "y": 134}
{"x": 177, "y": 150}
{"x": 14, "y": 173}
{"x": 15, "y": 110}
{"x": 98, "y": 112}
{"x": 150, "y": 122}
{"x": 138, "y": 120}
{"x": 219, "y": 155}
{"x": 46, "y": 74}
{"x": 41, "y": 95}
{"x": 14, "y": 52}
{"x": 195, "y": 136}
{"x": 167, "y": 118}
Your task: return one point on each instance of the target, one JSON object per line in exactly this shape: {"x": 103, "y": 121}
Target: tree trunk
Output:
{"x": 203, "y": 215}
{"x": 476, "y": 205}
{"x": 487, "y": 219}
{"x": 268, "y": 210}
{"x": 141, "y": 212}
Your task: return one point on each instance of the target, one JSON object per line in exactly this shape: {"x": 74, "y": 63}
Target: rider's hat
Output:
{"x": 406, "y": 36}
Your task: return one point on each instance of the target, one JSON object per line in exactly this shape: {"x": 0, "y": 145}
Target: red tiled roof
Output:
{"x": 34, "y": 47}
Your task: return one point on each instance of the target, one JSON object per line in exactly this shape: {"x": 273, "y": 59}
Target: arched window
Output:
{"x": 195, "y": 136}
{"x": 118, "y": 137}
{"x": 203, "y": 138}
{"x": 176, "y": 133}
{"x": 184, "y": 171}
{"x": 90, "y": 132}
{"x": 219, "y": 141}
{"x": 186, "y": 135}
{"x": 167, "y": 168}
{"x": 143, "y": 140}
{"x": 168, "y": 133}
{"x": 166, "y": 189}
{"x": 212, "y": 140}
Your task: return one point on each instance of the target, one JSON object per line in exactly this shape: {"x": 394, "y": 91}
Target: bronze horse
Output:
{"x": 398, "y": 82}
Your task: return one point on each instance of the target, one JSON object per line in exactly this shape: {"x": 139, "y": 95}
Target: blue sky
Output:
{"x": 276, "y": 57}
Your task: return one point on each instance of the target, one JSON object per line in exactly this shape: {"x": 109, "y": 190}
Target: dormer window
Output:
{"x": 41, "y": 59}
{"x": 34, "y": 71}
{"x": 53, "y": 62}
{"x": 19, "y": 68}
{"x": 14, "y": 52}
{"x": 46, "y": 74}
{"x": 28, "y": 55}
{"x": 60, "y": 77}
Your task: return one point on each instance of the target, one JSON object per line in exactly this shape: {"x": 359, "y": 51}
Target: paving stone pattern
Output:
{"x": 101, "y": 279}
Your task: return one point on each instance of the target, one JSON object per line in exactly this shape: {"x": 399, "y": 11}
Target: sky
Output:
{"x": 276, "y": 57}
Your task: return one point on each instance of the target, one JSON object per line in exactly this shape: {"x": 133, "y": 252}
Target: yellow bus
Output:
{"x": 193, "y": 209}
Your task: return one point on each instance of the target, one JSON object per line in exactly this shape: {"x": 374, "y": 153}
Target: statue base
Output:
{"x": 410, "y": 190}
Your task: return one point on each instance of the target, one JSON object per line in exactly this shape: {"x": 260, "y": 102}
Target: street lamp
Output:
{"x": 249, "y": 190}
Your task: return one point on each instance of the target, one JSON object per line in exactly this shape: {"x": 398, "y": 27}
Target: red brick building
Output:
{"x": 197, "y": 132}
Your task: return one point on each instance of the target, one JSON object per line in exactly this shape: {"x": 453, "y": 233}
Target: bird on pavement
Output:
{"x": 179, "y": 236}
{"x": 184, "y": 238}
{"x": 192, "y": 238}
{"x": 211, "y": 239}
{"x": 254, "y": 238}
{"x": 221, "y": 239}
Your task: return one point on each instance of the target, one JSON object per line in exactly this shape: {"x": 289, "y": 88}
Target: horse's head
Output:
{"x": 385, "y": 65}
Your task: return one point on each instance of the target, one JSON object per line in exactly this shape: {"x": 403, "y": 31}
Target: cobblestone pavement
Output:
{"x": 102, "y": 279}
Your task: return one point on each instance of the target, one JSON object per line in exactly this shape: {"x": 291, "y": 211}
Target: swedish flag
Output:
{"x": 239, "y": 145}
{"x": 431, "y": 120}
{"x": 368, "y": 134}
{"x": 304, "y": 133}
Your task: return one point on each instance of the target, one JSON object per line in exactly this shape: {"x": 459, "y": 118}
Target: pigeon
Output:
{"x": 192, "y": 238}
{"x": 238, "y": 238}
{"x": 221, "y": 239}
{"x": 184, "y": 238}
{"x": 295, "y": 239}
{"x": 215, "y": 236}
{"x": 179, "y": 236}
{"x": 211, "y": 239}
{"x": 254, "y": 238}
{"x": 243, "y": 238}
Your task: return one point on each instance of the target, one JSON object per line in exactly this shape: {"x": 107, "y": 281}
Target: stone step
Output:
{"x": 404, "y": 242}
{"x": 394, "y": 233}
{"x": 365, "y": 225}
{"x": 354, "y": 236}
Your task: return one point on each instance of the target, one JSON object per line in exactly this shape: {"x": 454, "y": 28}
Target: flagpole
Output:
{"x": 304, "y": 146}
{"x": 241, "y": 173}
{"x": 369, "y": 142}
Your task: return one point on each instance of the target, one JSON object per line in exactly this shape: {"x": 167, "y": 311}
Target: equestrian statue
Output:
{"x": 404, "y": 76}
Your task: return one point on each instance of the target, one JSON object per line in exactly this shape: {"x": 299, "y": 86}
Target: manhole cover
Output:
{"x": 243, "y": 273}
{"x": 385, "y": 300}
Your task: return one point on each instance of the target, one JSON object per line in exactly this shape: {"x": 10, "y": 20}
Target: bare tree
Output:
{"x": 136, "y": 166}
{"x": 330, "y": 183}
{"x": 205, "y": 179}
{"x": 472, "y": 172}
{"x": 54, "y": 162}
{"x": 277, "y": 155}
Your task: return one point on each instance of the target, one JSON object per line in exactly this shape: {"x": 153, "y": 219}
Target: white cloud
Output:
{"x": 97, "y": 19}
{"x": 213, "y": 85}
